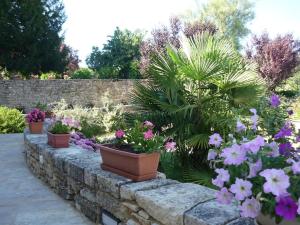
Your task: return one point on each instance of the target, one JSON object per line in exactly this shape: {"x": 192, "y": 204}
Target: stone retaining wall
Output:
{"x": 26, "y": 93}
{"x": 75, "y": 175}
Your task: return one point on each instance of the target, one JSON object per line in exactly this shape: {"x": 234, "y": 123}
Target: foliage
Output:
{"x": 4, "y": 74}
{"x": 94, "y": 121}
{"x": 72, "y": 59}
{"x": 11, "y": 120}
{"x": 35, "y": 115}
{"x": 30, "y": 40}
{"x": 231, "y": 18}
{"x": 277, "y": 59}
{"x": 292, "y": 84}
{"x": 142, "y": 138}
{"x": 63, "y": 125}
{"x": 261, "y": 172}
{"x": 83, "y": 73}
{"x": 49, "y": 76}
{"x": 118, "y": 55}
{"x": 195, "y": 89}
{"x": 164, "y": 36}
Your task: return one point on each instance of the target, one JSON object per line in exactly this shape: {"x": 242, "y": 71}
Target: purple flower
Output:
{"x": 223, "y": 176}
{"x": 274, "y": 101}
{"x": 298, "y": 211}
{"x": 254, "y": 145}
{"x": 240, "y": 127}
{"x": 170, "y": 146}
{"x": 285, "y": 148}
{"x": 215, "y": 140}
{"x": 212, "y": 154}
{"x": 298, "y": 138}
{"x": 285, "y": 131}
{"x": 296, "y": 167}
{"x": 224, "y": 196}
{"x": 290, "y": 112}
{"x": 235, "y": 155}
{"x": 250, "y": 208}
{"x": 275, "y": 149}
{"x": 241, "y": 189}
{"x": 287, "y": 208}
{"x": 277, "y": 181}
{"x": 119, "y": 134}
{"x": 254, "y": 168}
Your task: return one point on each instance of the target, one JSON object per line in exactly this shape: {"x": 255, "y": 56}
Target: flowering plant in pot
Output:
{"x": 135, "y": 152}
{"x": 35, "y": 119}
{"x": 260, "y": 172}
{"x": 59, "y": 132}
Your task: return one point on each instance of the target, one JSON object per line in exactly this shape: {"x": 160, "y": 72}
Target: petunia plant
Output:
{"x": 260, "y": 171}
{"x": 143, "y": 139}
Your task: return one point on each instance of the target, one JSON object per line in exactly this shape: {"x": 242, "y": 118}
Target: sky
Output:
{"x": 89, "y": 22}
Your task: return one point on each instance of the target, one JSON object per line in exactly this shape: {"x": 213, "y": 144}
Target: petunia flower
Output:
{"x": 148, "y": 134}
{"x": 170, "y": 146}
{"x": 215, "y": 140}
{"x": 241, "y": 188}
{"x": 254, "y": 168}
{"x": 285, "y": 148}
{"x": 224, "y": 196}
{"x": 223, "y": 176}
{"x": 120, "y": 134}
{"x": 212, "y": 154}
{"x": 234, "y": 155}
{"x": 277, "y": 181}
{"x": 296, "y": 167}
{"x": 254, "y": 145}
{"x": 250, "y": 208}
{"x": 274, "y": 100}
{"x": 240, "y": 127}
{"x": 286, "y": 207}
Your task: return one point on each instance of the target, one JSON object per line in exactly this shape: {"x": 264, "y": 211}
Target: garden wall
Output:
{"x": 75, "y": 174}
{"x": 26, "y": 93}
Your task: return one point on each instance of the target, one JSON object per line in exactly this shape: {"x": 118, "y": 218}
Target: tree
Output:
{"x": 162, "y": 37}
{"x": 30, "y": 40}
{"x": 72, "y": 59}
{"x": 230, "y": 16}
{"x": 119, "y": 56}
{"x": 277, "y": 59}
{"x": 197, "y": 89}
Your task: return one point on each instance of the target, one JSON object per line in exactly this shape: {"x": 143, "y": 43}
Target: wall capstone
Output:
{"x": 75, "y": 174}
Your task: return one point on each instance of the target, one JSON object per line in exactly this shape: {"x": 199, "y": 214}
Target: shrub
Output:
{"x": 63, "y": 125}
{"x": 83, "y": 73}
{"x": 11, "y": 120}
{"x": 49, "y": 76}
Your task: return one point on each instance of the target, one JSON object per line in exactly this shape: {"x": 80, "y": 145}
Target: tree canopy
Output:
{"x": 119, "y": 57}
{"x": 30, "y": 36}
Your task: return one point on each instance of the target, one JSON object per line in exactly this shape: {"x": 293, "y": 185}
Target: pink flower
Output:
{"x": 224, "y": 196}
{"x": 170, "y": 146}
{"x": 223, "y": 176}
{"x": 254, "y": 168}
{"x": 277, "y": 181}
{"x": 235, "y": 155}
{"x": 119, "y": 134}
{"x": 212, "y": 154}
{"x": 148, "y": 124}
{"x": 250, "y": 208}
{"x": 148, "y": 135}
{"x": 215, "y": 140}
{"x": 241, "y": 189}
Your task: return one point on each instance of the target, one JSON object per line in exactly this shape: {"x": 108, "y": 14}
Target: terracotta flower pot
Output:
{"x": 58, "y": 140}
{"x": 266, "y": 220}
{"x": 36, "y": 127}
{"x": 137, "y": 167}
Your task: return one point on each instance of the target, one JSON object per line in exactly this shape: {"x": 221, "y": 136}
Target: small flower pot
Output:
{"x": 58, "y": 140}
{"x": 35, "y": 127}
{"x": 266, "y": 220}
{"x": 137, "y": 167}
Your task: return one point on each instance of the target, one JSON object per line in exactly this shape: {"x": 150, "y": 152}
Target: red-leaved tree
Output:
{"x": 277, "y": 59}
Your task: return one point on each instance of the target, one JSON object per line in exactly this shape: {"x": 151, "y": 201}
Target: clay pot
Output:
{"x": 35, "y": 127}
{"x": 266, "y": 220}
{"x": 58, "y": 140}
{"x": 137, "y": 167}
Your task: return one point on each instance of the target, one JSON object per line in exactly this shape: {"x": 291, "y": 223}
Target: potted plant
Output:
{"x": 135, "y": 153}
{"x": 35, "y": 120}
{"x": 59, "y": 132}
{"x": 261, "y": 172}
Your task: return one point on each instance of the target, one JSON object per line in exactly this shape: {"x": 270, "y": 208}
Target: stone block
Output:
{"x": 168, "y": 204}
{"x": 242, "y": 221}
{"x": 211, "y": 213}
{"x": 128, "y": 191}
{"x": 131, "y": 206}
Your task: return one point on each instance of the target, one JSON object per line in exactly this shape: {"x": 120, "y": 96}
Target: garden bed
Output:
{"x": 75, "y": 174}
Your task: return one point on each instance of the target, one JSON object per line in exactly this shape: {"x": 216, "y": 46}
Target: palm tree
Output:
{"x": 196, "y": 90}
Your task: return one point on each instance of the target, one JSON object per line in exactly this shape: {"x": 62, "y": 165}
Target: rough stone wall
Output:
{"x": 26, "y": 93}
{"x": 75, "y": 174}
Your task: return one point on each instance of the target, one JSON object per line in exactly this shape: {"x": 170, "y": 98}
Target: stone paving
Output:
{"x": 24, "y": 199}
